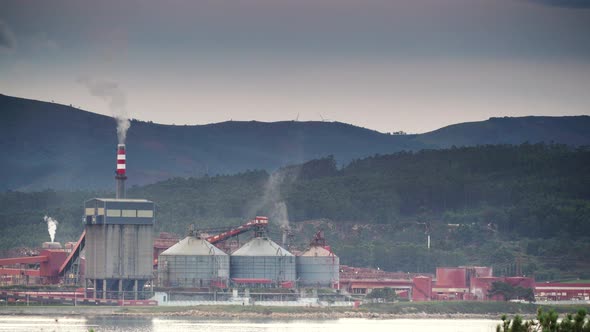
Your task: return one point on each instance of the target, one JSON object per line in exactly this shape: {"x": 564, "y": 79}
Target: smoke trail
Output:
{"x": 123, "y": 125}
{"x": 51, "y": 226}
{"x": 280, "y": 213}
{"x": 271, "y": 200}
{"x": 110, "y": 92}
{"x": 7, "y": 38}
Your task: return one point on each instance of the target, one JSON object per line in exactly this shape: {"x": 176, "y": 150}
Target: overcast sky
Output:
{"x": 388, "y": 65}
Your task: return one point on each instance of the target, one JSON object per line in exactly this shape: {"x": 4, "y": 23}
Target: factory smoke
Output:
{"x": 51, "y": 227}
{"x": 122, "y": 125}
{"x": 116, "y": 98}
{"x": 7, "y": 38}
{"x": 271, "y": 201}
{"x": 280, "y": 213}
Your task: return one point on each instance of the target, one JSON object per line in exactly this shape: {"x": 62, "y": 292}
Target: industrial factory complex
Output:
{"x": 117, "y": 261}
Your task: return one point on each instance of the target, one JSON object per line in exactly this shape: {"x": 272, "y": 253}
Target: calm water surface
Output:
{"x": 166, "y": 324}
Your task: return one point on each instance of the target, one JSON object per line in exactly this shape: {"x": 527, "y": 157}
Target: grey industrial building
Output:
{"x": 118, "y": 246}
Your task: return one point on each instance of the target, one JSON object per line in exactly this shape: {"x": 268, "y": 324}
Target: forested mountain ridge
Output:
{"x": 481, "y": 205}
{"x": 571, "y": 130}
{"x": 47, "y": 145}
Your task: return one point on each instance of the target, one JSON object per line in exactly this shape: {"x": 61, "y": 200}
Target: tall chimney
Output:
{"x": 121, "y": 176}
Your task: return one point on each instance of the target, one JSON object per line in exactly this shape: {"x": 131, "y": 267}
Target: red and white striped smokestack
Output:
{"x": 121, "y": 171}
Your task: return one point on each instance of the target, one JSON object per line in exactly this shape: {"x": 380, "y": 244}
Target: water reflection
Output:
{"x": 176, "y": 324}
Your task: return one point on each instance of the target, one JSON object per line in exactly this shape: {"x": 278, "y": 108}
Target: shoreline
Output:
{"x": 402, "y": 310}
{"x": 267, "y": 313}
{"x": 318, "y": 315}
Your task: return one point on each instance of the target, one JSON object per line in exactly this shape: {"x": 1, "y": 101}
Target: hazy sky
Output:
{"x": 388, "y": 65}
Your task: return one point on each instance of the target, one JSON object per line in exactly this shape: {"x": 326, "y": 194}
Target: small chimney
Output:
{"x": 121, "y": 172}
{"x": 51, "y": 245}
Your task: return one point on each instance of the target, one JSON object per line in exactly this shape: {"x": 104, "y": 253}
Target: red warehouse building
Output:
{"x": 553, "y": 291}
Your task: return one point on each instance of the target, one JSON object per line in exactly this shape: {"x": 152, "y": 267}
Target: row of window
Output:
{"x": 121, "y": 213}
{"x": 556, "y": 293}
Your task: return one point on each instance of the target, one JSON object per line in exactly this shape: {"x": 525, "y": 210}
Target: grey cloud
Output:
{"x": 7, "y": 38}
{"x": 110, "y": 92}
{"x": 584, "y": 4}
{"x": 52, "y": 45}
{"x": 42, "y": 42}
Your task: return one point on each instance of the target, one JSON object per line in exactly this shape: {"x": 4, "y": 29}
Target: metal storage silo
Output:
{"x": 193, "y": 262}
{"x": 318, "y": 267}
{"x": 262, "y": 261}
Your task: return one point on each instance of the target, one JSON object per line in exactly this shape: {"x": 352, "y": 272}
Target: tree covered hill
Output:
{"x": 481, "y": 205}
{"x": 46, "y": 145}
{"x": 571, "y": 130}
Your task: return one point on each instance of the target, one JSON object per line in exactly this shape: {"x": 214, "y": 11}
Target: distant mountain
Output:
{"x": 570, "y": 130}
{"x": 47, "y": 145}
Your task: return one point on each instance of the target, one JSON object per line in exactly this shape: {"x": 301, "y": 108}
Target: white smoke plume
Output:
{"x": 7, "y": 38}
{"x": 280, "y": 213}
{"x": 51, "y": 227}
{"x": 110, "y": 92}
{"x": 271, "y": 198}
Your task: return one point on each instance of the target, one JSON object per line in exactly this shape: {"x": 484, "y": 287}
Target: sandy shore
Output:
{"x": 316, "y": 315}
{"x": 320, "y": 314}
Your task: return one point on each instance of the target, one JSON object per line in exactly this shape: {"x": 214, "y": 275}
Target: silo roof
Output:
{"x": 193, "y": 246}
{"x": 260, "y": 246}
{"x": 317, "y": 251}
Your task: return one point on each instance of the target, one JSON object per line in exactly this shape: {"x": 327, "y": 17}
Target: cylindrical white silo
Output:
{"x": 263, "y": 260}
{"x": 193, "y": 263}
{"x": 318, "y": 267}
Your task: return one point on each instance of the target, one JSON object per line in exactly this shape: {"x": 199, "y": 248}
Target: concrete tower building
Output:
{"x": 118, "y": 241}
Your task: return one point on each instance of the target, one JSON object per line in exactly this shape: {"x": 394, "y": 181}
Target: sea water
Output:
{"x": 179, "y": 324}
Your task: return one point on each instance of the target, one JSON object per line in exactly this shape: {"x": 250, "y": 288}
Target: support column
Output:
{"x": 95, "y": 284}
{"x": 104, "y": 289}
{"x": 120, "y": 288}
{"x": 135, "y": 288}
{"x": 85, "y": 287}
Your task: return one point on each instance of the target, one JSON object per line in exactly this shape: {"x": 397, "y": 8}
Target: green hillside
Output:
{"x": 571, "y": 130}
{"x": 524, "y": 206}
